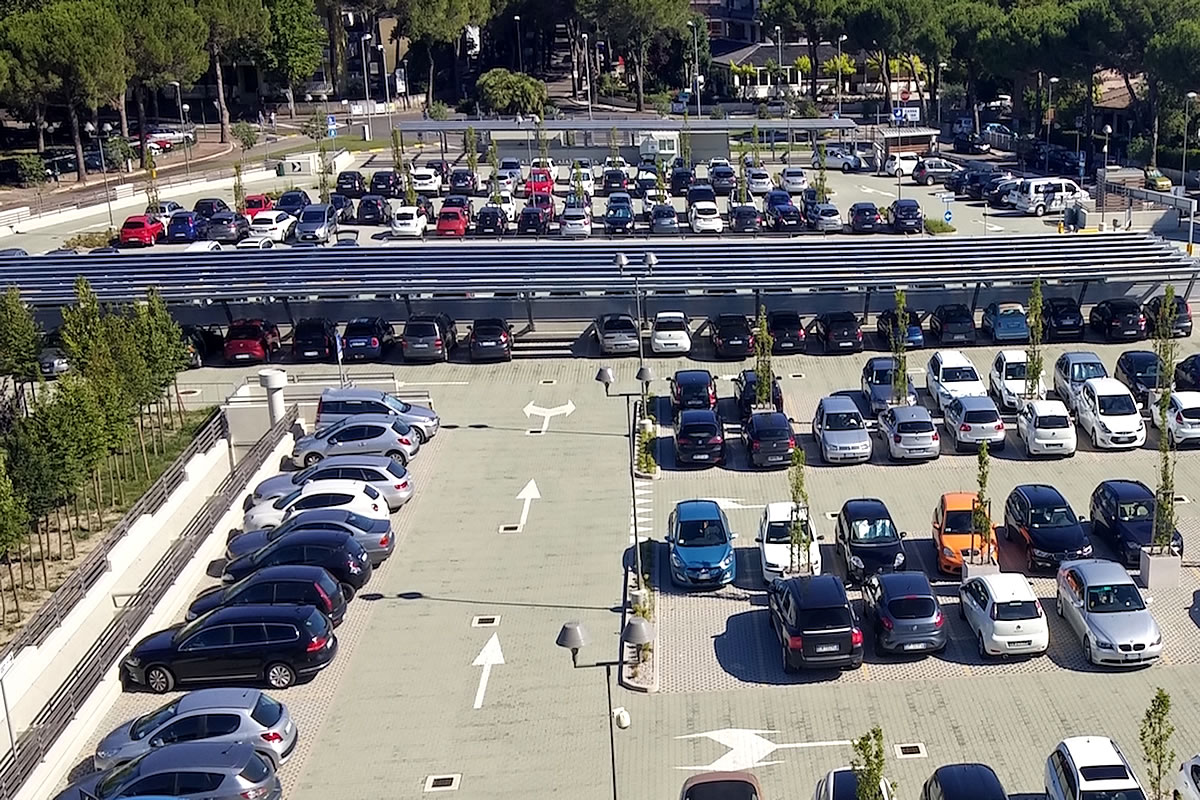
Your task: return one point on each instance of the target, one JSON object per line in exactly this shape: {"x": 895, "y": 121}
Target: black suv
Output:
{"x": 1063, "y": 318}
{"x": 693, "y": 388}
{"x": 745, "y": 393}
{"x": 814, "y": 623}
{"x": 293, "y": 202}
{"x": 368, "y": 338}
{"x": 723, "y": 180}
{"x": 374, "y": 209}
{"x": 681, "y": 179}
{"x": 614, "y": 180}
{"x": 491, "y": 220}
{"x": 769, "y": 439}
{"x": 731, "y": 336}
{"x": 787, "y": 331}
{"x": 285, "y": 585}
{"x": 351, "y": 184}
{"x": 535, "y": 220}
{"x": 314, "y": 339}
{"x": 490, "y": 338}
{"x": 337, "y": 552}
{"x": 745, "y": 219}
{"x": 1040, "y": 520}
{"x": 952, "y": 322}
{"x": 211, "y": 206}
{"x": 699, "y": 437}
{"x": 386, "y": 183}
{"x": 463, "y": 181}
{"x": 839, "y": 330}
{"x": 1181, "y": 324}
{"x": 1120, "y": 318}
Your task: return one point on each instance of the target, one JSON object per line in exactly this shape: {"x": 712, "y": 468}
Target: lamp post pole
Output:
{"x": 841, "y": 39}
{"x": 1187, "y": 100}
{"x": 1049, "y": 122}
{"x": 941, "y": 66}
{"x": 779, "y": 56}
{"x": 96, "y": 136}
{"x": 387, "y": 90}
{"x": 587, "y": 65}
{"x": 696, "y": 56}
{"x": 366, "y": 37}
{"x": 187, "y": 143}
{"x": 520, "y": 48}
{"x": 183, "y": 126}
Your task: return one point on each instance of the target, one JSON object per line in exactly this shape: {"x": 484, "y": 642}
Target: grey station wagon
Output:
{"x": 337, "y": 404}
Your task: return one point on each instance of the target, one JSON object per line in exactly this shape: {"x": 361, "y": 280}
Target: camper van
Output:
{"x": 1041, "y": 196}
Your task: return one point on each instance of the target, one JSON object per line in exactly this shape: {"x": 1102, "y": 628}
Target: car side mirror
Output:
{"x": 1082, "y": 518}
{"x": 903, "y": 534}
{"x": 758, "y": 539}
{"x": 732, "y": 536}
{"x": 156, "y": 741}
{"x": 820, "y": 537}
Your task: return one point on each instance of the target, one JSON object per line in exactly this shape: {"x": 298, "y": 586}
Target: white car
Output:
{"x": 842, "y": 783}
{"x": 504, "y": 182}
{"x": 837, "y": 158}
{"x": 581, "y": 172}
{"x": 612, "y": 162}
{"x": 951, "y": 375}
{"x": 356, "y": 496}
{"x": 275, "y": 225}
{"x": 575, "y": 222}
{"x": 758, "y": 181}
{"x": 647, "y": 202}
{"x": 169, "y": 134}
{"x": 203, "y": 246}
{"x": 1004, "y": 615}
{"x": 408, "y": 222}
{"x": 713, "y": 163}
{"x": 256, "y": 243}
{"x": 1109, "y": 414}
{"x": 775, "y": 541}
{"x": 1183, "y": 418}
{"x": 703, "y": 217}
{"x": 164, "y": 211}
{"x": 546, "y": 164}
{"x": 1090, "y": 767}
{"x": 1007, "y": 380}
{"x": 1187, "y": 783}
{"x": 512, "y": 165}
{"x": 670, "y": 333}
{"x": 507, "y": 205}
{"x": 426, "y": 181}
{"x": 1044, "y": 427}
{"x": 901, "y": 164}
{"x": 793, "y": 180}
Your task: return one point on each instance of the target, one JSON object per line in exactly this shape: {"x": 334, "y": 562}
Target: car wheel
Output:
{"x": 1040, "y": 211}
{"x": 1087, "y": 651}
{"x": 962, "y": 609}
{"x": 421, "y": 437}
{"x": 348, "y": 591}
{"x": 1058, "y": 607}
{"x": 160, "y": 679}
{"x": 785, "y": 660}
{"x": 983, "y": 653}
{"x": 929, "y": 181}
{"x": 397, "y": 455}
{"x": 280, "y": 676}
{"x": 845, "y": 167}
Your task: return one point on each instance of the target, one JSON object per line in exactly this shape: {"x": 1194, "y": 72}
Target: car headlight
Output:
{"x": 856, "y": 562}
{"x": 1040, "y": 553}
{"x": 1087, "y": 550}
{"x": 771, "y": 566}
{"x": 898, "y": 561}
{"x": 1103, "y": 645}
{"x": 106, "y": 753}
{"x": 1157, "y": 640}
{"x": 1132, "y": 546}
{"x": 947, "y": 552}
{"x": 727, "y": 561}
{"x": 676, "y": 561}
{"x": 944, "y": 393}
{"x": 133, "y": 661}
{"x": 1103, "y": 427}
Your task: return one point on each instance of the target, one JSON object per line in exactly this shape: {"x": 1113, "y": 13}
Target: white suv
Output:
{"x": 901, "y": 164}
{"x": 951, "y": 375}
{"x": 1089, "y": 766}
{"x": 1108, "y": 413}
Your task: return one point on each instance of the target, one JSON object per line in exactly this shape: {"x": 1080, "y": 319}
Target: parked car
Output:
{"x": 619, "y": 219}
{"x": 724, "y": 179}
{"x": 971, "y": 420}
{"x": 490, "y": 338}
{"x": 769, "y": 439}
{"x": 464, "y": 181}
{"x": 703, "y": 217}
{"x": 731, "y": 336}
{"x": 885, "y": 329}
{"x": 693, "y": 389}
{"x": 814, "y": 623}
{"x": 544, "y": 201}
{"x": 1087, "y": 766}
{"x": 999, "y": 192}
{"x": 1071, "y": 371}
{"x": 1120, "y": 318}
{"x": 1122, "y": 513}
{"x": 681, "y": 181}
{"x": 338, "y": 493}
{"x": 1105, "y": 610}
{"x": 745, "y": 394}
{"x": 344, "y": 207}
{"x": 720, "y": 784}
{"x": 1040, "y": 520}
{"x": 336, "y": 405}
{"x": 575, "y": 222}
{"x": 866, "y": 540}
{"x": 955, "y": 537}
{"x": 386, "y": 183}
{"x": 1062, "y": 318}
{"x": 864, "y": 218}
{"x": 314, "y": 339}
{"x": 670, "y": 333}
{"x": 952, "y": 322}
{"x": 905, "y": 216}
{"x": 367, "y": 338}
{"x": 209, "y": 206}
{"x": 904, "y": 613}
{"x": 187, "y": 226}
{"x": 373, "y": 533}
{"x": 351, "y": 183}
{"x": 1183, "y": 419}
{"x": 429, "y": 337}
{"x": 409, "y": 222}
{"x": 1107, "y": 411}
{"x": 1008, "y": 380}
{"x": 838, "y": 331}
{"x": 361, "y": 434}
{"x": 491, "y": 221}
{"x": 971, "y": 144}
{"x": 1005, "y": 322}
{"x": 426, "y": 180}
{"x": 930, "y": 171}
{"x": 287, "y": 585}
{"x": 192, "y": 770}
{"x": 204, "y": 344}
{"x": 167, "y": 209}
{"x": 1140, "y": 370}
{"x": 451, "y": 222}
{"x": 963, "y": 782}
{"x": 318, "y": 223}
{"x": 793, "y": 180}
{"x": 276, "y": 225}
{"x": 293, "y": 202}
{"x": 840, "y": 431}
{"x": 387, "y": 475}
{"x": 1003, "y": 615}
{"x": 616, "y": 333}
{"x": 1044, "y": 427}
{"x": 228, "y": 228}
{"x": 1187, "y": 374}
{"x": 878, "y": 385}
{"x": 700, "y": 545}
{"x": 699, "y": 437}
{"x": 836, "y": 158}
{"x": 337, "y": 552}
{"x": 143, "y": 230}
{"x": 787, "y": 331}
{"x": 901, "y": 164}
{"x": 664, "y": 219}
{"x": 909, "y": 433}
{"x": 1180, "y": 323}
{"x": 533, "y": 220}
{"x": 251, "y": 340}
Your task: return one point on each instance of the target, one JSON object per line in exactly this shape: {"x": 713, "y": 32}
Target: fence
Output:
{"x": 60, "y": 709}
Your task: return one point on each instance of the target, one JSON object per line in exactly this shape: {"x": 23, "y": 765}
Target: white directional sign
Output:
{"x": 747, "y": 749}
{"x": 528, "y": 494}
{"x": 948, "y": 215}
{"x": 488, "y": 657}
{"x": 565, "y": 410}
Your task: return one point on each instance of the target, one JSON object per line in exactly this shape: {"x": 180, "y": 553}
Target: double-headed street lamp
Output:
{"x": 105, "y": 129}
{"x": 779, "y": 51}
{"x": 366, "y": 37}
{"x": 840, "y": 39}
{"x": 387, "y": 90}
{"x": 587, "y": 65}
{"x": 1049, "y": 123}
{"x": 520, "y": 47}
{"x": 696, "y": 57}
{"x": 1188, "y": 98}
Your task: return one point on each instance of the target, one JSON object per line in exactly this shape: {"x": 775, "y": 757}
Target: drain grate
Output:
{"x": 510, "y": 529}
{"x": 534, "y": 432}
{"x": 547, "y": 381}
{"x": 485, "y": 622}
{"x": 831, "y": 515}
{"x": 443, "y": 783}
{"x": 798, "y": 376}
{"x": 911, "y": 750}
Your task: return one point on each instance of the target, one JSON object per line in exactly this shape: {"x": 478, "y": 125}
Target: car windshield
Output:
{"x": 882, "y": 377}
{"x": 873, "y": 531}
{"x": 619, "y": 212}
{"x": 670, "y": 324}
{"x": 699, "y": 431}
{"x": 701, "y": 533}
{"x": 1137, "y": 510}
{"x": 1116, "y": 405}
{"x": 1014, "y": 371}
{"x": 1146, "y": 369}
{"x": 829, "y": 211}
{"x": 316, "y": 215}
{"x": 1086, "y": 370}
{"x": 915, "y": 426}
{"x": 357, "y": 328}
{"x": 133, "y": 224}
{"x": 958, "y": 374}
{"x": 244, "y": 332}
{"x": 1112, "y": 794}
{"x": 959, "y": 522}
{"x": 780, "y": 532}
{"x": 1015, "y": 610}
{"x": 109, "y": 785}
{"x": 144, "y": 725}
{"x": 915, "y": 607}
{"x": 1114, "y": 599}
{"x": 844, "y": 421}
{"x": 721, "y": 790}
{"x": 618, "y": 325}
{"x": 291, "y": 199}
{"x": 1052, "y": 517}
{"x": 1053, "y": 422}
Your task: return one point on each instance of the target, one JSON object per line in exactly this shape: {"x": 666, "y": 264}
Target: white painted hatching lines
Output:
{"x": 641, "y": 514}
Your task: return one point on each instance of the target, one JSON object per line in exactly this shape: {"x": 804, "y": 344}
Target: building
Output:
{"x": 762, "y": 57}
{"x": 735, "y": 20}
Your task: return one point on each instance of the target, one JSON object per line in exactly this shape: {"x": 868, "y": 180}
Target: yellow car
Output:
{"x": 1156, "y": 180}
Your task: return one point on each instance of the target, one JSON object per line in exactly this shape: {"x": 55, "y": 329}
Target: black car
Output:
{"x": 955, "y": 180}
{"x": 839, "y": 330}
{"x": 723, "y": 180}
{"x": 971, "y": 144}
{"x": 367, "y": 338}
{"x": 1040, "y": 521}
{"x": 700, "y": 193}
{"x": 286, "y": 585}
{"x": 490, "y": 338}
{"x": 998, "y": 191}
{"x": 963, "y": 782}
{"x": 814, "y": 623}
{"x": 784, "y": 218}
{"x": 787, "y": 331}
{"x": 1181, "y": 324}
{"x": 337, "y": 552}
{"x": 614, "y": 180}
{"x": 904, "y": 612}
{"x": 699, "y": 437}
{"x": 351, "y": 183}
{"x": 745, "y": 393}
{"x": 491, "y": 220}
{"x": 228, "y": 227}
{"x": 769, "y": 439}
{"x": 293, "y": 202}
{"x": 809, "y": 199}
{"x": 1122, "y": 512}
{"x": 463, "y": 181}
{"x": 681, "y": 181}
{"x": 314, "y": 339}
{"x": 210, "y": 206}
{"x": 424, "y": 207}
{"x": 732, "y": 337}
{"x": 1121, "y": 318}
{"x": 1140, "y": 371}
{"x": 387, "y": 183}
{"x": 864, "y": 218}
{"x": 646, "y": 181}
{"x": 776, "y": 197}
{"x": 205, "y": 344}
{"x": 1187, "y": 374}
{"x": 275, "y": 644}
{"x": 867, "y": 541}
{"x": 953, "y": 322}
{"x": 374, "y": 209}
{"x": 745, "y": 219}
{"x": 618, "y": 219}
{"x": 905, "y": 216}
{"x": 535, "y": 220}
{"x": 693, "y": 388}
{"x": 344, "y": 206}
{"x": 1062, "y": 318}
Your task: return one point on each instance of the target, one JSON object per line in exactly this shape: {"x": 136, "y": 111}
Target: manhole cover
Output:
{"x": 510, "y": 529}
{"x": 442, "y": 783}
{"x": 485, "y": 622}
{"x": 534, "y": 432}
{"x": 798, "y": 375}
{"x": 548, "y": 381}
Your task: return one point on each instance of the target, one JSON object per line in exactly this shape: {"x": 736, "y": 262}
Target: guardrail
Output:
{"x": 60, "y": 709}
{"x": 64, "y": 599}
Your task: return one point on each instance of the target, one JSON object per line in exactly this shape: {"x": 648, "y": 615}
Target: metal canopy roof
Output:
{"x": 550, "y": 266}
{"x": 629, "y": 124}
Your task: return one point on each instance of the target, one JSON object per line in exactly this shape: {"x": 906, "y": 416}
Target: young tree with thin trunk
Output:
{"x": 900, "y": 350}
{"x": 1167, "y": 350}
{"x": 981, "y": 518}
{"x": 314, "y": 128}
{"x": 799, "y": 530}
{"x": 763, "y": 344}
{"x": 493, "y": 157}
{"x": 14, "y": 522}
{"x": 1034, "y": 365}
{"x": 868, "y": 763}
{"x": 1155, "y": 734}
{"x": 471, "y": 146}
{"x": 20, "y": 339}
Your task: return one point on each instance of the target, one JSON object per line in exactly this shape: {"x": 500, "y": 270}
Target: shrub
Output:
{"x": 90, "y": 240}
{"x": 936, "y": 226}
{"x": 718, "y": 112}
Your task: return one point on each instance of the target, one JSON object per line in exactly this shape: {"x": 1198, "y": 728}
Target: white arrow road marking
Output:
{"x": 747, "y": 749}
{"x": 488, "y": 657}
{"x": 731, "y": 503}
{"x": 565, "y": 410}
{"x": 528, "y": 495}
{"x": 869, "y": 190}
{"x": 988, "y": 225}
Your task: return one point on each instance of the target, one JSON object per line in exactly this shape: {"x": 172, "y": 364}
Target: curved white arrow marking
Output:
{"x": 565, "y": 410}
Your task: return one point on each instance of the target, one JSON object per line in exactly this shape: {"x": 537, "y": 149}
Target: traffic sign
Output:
{"x": 905, "y": 94}
{"x": 948, "y": 215}
{"x": 330, "y": 121}
{"x": 897, "y": 114}
{"x": 947, "y": 197}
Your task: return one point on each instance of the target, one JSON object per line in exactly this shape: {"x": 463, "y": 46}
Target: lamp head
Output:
{"x": 638, "y": 631}
{"x": 645, "y": 374}
{"x": 604, "y": 375}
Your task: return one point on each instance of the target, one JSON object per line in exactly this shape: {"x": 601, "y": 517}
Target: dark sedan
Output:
{"x": 1121, "y": 318}
{"x": 463, "y": 181}
{"x": 664, "y": 219}
{"x": 699, "y": 438}
{"x": 374, "y": 209}
{"x": 971, "y": 144}
{"x": 769, "y": 439}
{"x": 1187, "y": 374}
{"x": 785, "y": 219}
{"x": 864, "y": 218}
{"x": 1062, "y": 319}
{"x": 787, "y": 331}
{"x": 905, "y": 216}
{"x": 614, "y": 180}
{"x": 1122, "y": 514}
{"x": 904, "y": 611}
{"x": 723, "y": 180}
{"x": 492, "y": 221}
{"x": 351, "y": 184}
{"x": 490, "y": 338}
{"x": 210, "y": 206}
{"x": 1140, "y": 371}
{"x": 999, "y": 191}
{"x": 293, "y": 202}
{"x": 745, "y": 219}
{"x": 386, "y": 183}
{"x": 1180, "y": 323}
{"x": 344, "y": 207}
{"x": 287, "y": 585}
{"x": 228, "y": 227}
{"x": 732, "y": 337}
{"x": 681, "y": 181}
{"x": 618, "y": 219}
{"x": 693, "y": 388}
{"x": 953, "y": 322}
{"x": 745, "y": 394}
{"x": 839, "y": 330}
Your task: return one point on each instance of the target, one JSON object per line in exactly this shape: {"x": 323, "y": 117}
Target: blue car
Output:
{"x": 367, "y": 338}
{"x": 187, "y": 226}
{"x": 885, "y": 325}
{"x": 700, "y": 545}
{"x": 1005, "y": 322}
{"x": 1123, "y": 515}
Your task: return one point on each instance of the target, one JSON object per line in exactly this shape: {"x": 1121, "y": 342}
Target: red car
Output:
{"x": 251, "y": 340}
{"x": 452, "y": 222}
{"x": 539, "y": 181}
{"x": 257, "y": 203}
{"x": 141, "y": 230}
{"x": 544, "y": 201}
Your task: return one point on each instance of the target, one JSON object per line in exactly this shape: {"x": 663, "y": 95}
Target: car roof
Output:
{"x": 730, "y": 319}
{"x": 905, "y": 583}
{"x": 911, "y": 414}
{"x": 881, "y": 362}
{"x": 1100, "y": 571}
{"x": 1082, "y": 357}
{"x": 699, "y": 416}
{"x": 1008, "y": 586}
{"x": 1003, "y": 307}
{"x": 356, "y": 459}
{"x": 959, "y": 501}
{"x": 691, "y": 510}
{"x": 1093, "y": 751}
{"x": 817, "y": 591}
{"x": 781, "y": 511}
{"x": 264, "y": 612}
{"x": 953, "y": 358}
{"x": 722, "y": 777}
{"x": 1041, "y": 494}
{"x": 839, "y": 403}
{"x": 907, "y": 201}
{"x": 300, "y": 519}
{"x": 770, "y": 419}
{"x": 1046, "y": 408}
{"x": 218, "y": 698}
{"x": 283, "y": 572}
{"x": 969, "y": 780}
{"x": 1187, "y": 399}
{"x": 1106, "y": 386}
{"x": 1123, "y": 304}
{"x": 696, "y": 376}
{"x": 865, "y": 508}
{"x": 1128, "y": 489}
{"x": 358, "y": 392}
{"x": 212, "y": 755}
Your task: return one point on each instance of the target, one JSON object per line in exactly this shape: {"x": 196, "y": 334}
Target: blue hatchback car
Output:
{"x": 700, "y": 545}
{"x": 1005, "y": 322}
{"x": 1123, "y": 515}
{"x": 187, "y": 226}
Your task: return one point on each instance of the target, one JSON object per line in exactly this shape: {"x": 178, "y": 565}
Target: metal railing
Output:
{"x": 59, "y": 711}
{"x": 64, "y": 599}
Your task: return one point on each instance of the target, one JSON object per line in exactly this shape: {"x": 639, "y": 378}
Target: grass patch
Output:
{"x": 353, "y": 144}
{"x": 935, "y": 227}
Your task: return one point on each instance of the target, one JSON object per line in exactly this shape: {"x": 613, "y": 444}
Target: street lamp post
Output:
{"x": 1187, "y": 99}
{"x": 387, "y": 90}
{"x": 366, "y": 37}
{"x": 941, "y": 66}
{"x": 779, "y": 55}
{"x": 187, "y": 145}
{"x": 587, "y": 65}
{"x": 1104, "y": 179}
{"x": 696, "y": 59}
{"x": 520, "y": 48}
{"x": 183, "y": 125}
{"x": 1049, "y": 122}
{"x": 840, "y": 39}
{"x": 105, "y": 129}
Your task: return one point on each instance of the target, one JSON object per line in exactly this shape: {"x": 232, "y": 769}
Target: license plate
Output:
{"x": 958, "y": 337}
{"x": 419, "y": 345}
{"x": 1022, "y": 643}
{"x": 487, "y": 344}
{"x": 845, "y": 344}
{"x": 702, "y": 574}
{"x": 787, "y": 344}
{"x": 701, "y": 456}
{"x": 774, "y": 458}
{"x": 1053, "y": 444}
{"x": 310, "y": 353}
{"x": 914, "y": 646}
{"x": 736, "y": 342}
{"x": 1133, "y": 656}
{"x": 827, "y": 648}
{"x": 242, "y": 355}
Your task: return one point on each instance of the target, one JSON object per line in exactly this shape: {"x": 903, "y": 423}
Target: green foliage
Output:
{"x": 981, "y": 519}
{"x": 82, "y": 328}
{"x": 834, "y": 65}
{"x": 1034, "y": 362}
{"x": 471, "y": 146}
{"x": 762, "y": 112}
{"x": 646, "y": 462}
{"x": 1167, "y": 350}
{"x": 245, "y": 134}
{"x": 20, "y": 337}
{"x": 1155, "y": 735}
{"x": 614, "y": 143}
{"x": 800, "y": 529}
{"x": 493, "y": 157}
{"x": 90, "y": 240}
{"x": 900, "y": 350}
{"x": 31, "y": 170}
{"x": 297, "y": 41}
{"x": 14, "y": 515}
{"x": 764, "y": 342}
{"x": 934, "y": 226}
{"x": 439, "y": 111}
{"x": 239, "y": 190}
{"x": 718, "y": 111}
{"x": 503, "y": 92}
{"x": 660, "y": 102}
{"x": 634, "y": 25}
{"x": 685, "y": 142}
{"x": 868, "y": 764}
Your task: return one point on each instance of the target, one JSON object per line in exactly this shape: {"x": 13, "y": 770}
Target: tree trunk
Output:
{"x": 98, "y": 500}
{"x": 114, "y": 466}
{"x": 814, "y": 36}
{"x": 639, "y": 59}
{"x": 576, "y": 71}
{"x": 154, "y": 110}
{"x": 58, "y": 521}
{"x": 973, "y": 92}
{"x": 222, "y": 109}
{"x": 458, "y": 94}
{"x": 1152, "y": 97}
{"x": 3, "y": 604}
{"x": 12, "y": 581}
{"x": 81, "y": 168}
{"x": 179, "y": 401}
{"x": 20, "y": 563}
{"x": 1089, "y": 111}
{"x": 44, "y": 548}
{"x": 122, "y": 112}
{"x": 139, "y": 97}
{"x": 39, "y": 119}
{"x": 337, "y": 46}
{"x": 429, "y": 86}
{"x": 912, "y": 68}
{"x": 142, "y": 442}
{"x": 162, "y": 439}
{"x": 291, "y": 101}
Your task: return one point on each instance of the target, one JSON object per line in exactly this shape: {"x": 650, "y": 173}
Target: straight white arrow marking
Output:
{"x": 488, "y": 657}
{"x": 528, "y": 495}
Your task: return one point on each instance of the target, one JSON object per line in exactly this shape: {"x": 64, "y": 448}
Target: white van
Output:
{"x": 1040, "y": 196}
{"x": 962, "y": 125}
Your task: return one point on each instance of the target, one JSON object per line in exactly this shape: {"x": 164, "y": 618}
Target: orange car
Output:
{"x": 952, "y": 531}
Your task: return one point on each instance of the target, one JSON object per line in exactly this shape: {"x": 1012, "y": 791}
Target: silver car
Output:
{"x": 195, "y": 770}
{"x": 373, "y": 533}
{"x": 213, "y": 715}
{"x": 388, "y": 476}
{"x": 362, "y": 434}
{"x": 825, "y": 217}
{"x": 318, "y": 223}
{"x": 618, "y": 333}
{"x": 909, "y": 432}
{"x": 840, "y": 431}
{"x": 337, "y": 404}
{"x": 877, "y": 385}
{"x": 1071, "y": 371}
{"x": 1106, "y": 611}
{"x": 970, "y": 421}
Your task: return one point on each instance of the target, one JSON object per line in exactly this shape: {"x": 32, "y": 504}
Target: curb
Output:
{"x": 628, "y": 652}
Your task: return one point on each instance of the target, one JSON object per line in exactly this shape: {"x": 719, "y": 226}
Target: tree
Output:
{"x": 742, "y": 74}
{"x": 82, "y": 328}
{"x": 815, "y": 19}
{"x": 633, "y": 26}
{"x": 1034, "y": 366}
{"x": 314, "y": 128}
{"x": 20, "y": 338}
{"x": 31, "y": 171}
{"x": 900, "y": 350}
{"x": 471, "y": 146}
{"x": 1167, "y": 350}
{"x": 1155, "y": 734}
{"x": 246, "y": 135}
{"x": 614, "y": 144}
{"x": 763, "y": 343}
{"x": 493, "y": 157}
{"x": 233, "y": 25}
{"x": 30, "y": 82}
{"x": 981, "y": 518}
{"x": 868, "y": 764}
{"x": 239, "y": 190}
{"x": 433, "y": 23}
{"x": 839, "y": 66}
{"x": 799, "y": 530}
{"x": 504, "y": 92}
{"x": 296, "y": 45}
{"x": 14, "y": 522}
